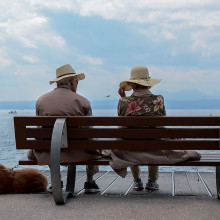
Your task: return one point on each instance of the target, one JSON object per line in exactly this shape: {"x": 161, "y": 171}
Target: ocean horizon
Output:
{"x": 9, "y": 156}
{"x": 107, "y": 104}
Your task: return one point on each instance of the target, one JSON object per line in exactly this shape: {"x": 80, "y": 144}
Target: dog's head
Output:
{"x": 2, "y": 167}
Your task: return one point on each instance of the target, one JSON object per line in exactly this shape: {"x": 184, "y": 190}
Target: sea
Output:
{"x": 9, "y": 156}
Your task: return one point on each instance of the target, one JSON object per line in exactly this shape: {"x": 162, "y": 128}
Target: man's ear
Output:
{"x": 71, "y": 81}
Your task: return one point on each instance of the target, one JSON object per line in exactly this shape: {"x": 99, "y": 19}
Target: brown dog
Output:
{"x": 27, "y": 180}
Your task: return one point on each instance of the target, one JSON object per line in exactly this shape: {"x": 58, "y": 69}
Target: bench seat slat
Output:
{"x": 209, "y": 161}
{"x": 127, "y": 145}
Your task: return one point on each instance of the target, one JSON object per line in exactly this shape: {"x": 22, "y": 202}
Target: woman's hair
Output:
{"x": 137, "y": 86}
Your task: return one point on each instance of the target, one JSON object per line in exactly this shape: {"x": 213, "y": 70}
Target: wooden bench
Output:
{"x": 57, "y": 134}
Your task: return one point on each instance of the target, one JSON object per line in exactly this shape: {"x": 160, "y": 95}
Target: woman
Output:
{"x": 143, "y": 103}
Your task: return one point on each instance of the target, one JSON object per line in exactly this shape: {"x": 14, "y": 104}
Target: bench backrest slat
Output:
{"x": 131, "y": 133}
{"x": 121, "y": 121}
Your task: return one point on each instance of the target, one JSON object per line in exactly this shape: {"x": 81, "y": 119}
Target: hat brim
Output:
{"x": 125, "y": 85}
{"x": 80, "y": 76}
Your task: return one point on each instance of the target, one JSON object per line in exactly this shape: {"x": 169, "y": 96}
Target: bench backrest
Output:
{"x": 128, "y": 133}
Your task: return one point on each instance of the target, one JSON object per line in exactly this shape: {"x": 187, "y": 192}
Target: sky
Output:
{"x": 179, "y": 41}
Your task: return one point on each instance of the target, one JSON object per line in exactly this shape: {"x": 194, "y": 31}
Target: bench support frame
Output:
{"x": 59, "y": 140}
{"x": 218, "y": 181}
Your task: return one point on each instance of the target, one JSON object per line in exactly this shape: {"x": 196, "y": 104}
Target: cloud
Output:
{"x": 30, "y": 71}
{"x": 168, "y": 35}
{"x": 140, "y": 11}
{"x": 25, "y": 30}
{"x": 90, "y": 60}
{"x": 160, "y": 20}
{"x": 29, "y": 82}
{"x": 5, "y": 61}
{"x": 186, "y": 78}
{"x": 23, "y": 23}
{"x": 207, "y": 43}
{"x": 32, "y": 32}
{"x": 30, "y": 59}
{"x": 100, "y": 82}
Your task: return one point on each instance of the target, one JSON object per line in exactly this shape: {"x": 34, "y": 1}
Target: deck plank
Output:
{"x": 120, "y": 186}
{"x": 210, "y": 180}
{"x": 196, "y": 184}
{"x": 103, "y": 183}
{"x": 165, "y": 184}
{"x": 79, "y": 174}
{"x": 80, "y": 184}
{"x": 63, "y": 177}
{"x": 47, "y": 175}
{"x": 182, "y": 187}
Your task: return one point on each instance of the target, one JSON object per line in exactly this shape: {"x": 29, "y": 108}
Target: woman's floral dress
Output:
{"x": 149, "y": 105}
{"x": 145, "y": 105}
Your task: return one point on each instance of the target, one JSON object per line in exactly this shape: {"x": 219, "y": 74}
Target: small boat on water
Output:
{"x": 12, "y": 112}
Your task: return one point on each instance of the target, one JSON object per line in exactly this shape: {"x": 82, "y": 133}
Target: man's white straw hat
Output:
{"x": 139, "y": 75}
{"x": 66, "y": 71}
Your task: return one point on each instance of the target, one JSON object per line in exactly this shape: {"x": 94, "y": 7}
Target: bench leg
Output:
{"x": 59, "y": 140}
{"x": 71, "y": 177}
{"x": 218, "y": 181}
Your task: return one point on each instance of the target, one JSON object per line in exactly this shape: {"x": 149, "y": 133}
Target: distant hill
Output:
{"x": 112, "y": 104}
{"x": 186, "y": 95}
{"x": 193, "y": 104}
{"x": 105, "y": 104}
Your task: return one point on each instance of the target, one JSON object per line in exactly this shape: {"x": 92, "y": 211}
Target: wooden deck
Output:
{"x": 171, "y": 183}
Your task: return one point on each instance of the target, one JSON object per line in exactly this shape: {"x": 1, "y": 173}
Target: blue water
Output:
{"x": 9, "y": 156}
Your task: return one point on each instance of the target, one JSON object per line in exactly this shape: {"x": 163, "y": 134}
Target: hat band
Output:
{"x": 139, "y": 78}
{"x": 65, "y": 74}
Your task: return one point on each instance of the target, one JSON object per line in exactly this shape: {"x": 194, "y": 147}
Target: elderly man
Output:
{"x": 64, "y": 101}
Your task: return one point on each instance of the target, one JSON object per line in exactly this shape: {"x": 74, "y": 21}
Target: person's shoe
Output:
{"x": 152, "y": 185}
{"x": 91, "y": 187}
{"x": 138, "y": 185}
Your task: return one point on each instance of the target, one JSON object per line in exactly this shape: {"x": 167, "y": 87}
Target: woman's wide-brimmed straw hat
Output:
{"x": 66, "y": 71}
{"x": 139, "y": 75}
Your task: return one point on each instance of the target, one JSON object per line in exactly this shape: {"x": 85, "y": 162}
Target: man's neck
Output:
{"x": 64, "y": 87}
